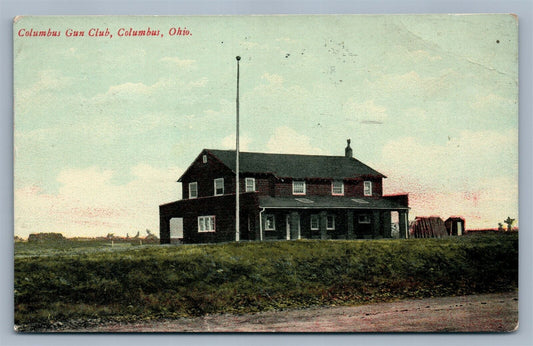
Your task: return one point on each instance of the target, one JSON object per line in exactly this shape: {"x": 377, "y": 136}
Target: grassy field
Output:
{"x": 90, "y": 280}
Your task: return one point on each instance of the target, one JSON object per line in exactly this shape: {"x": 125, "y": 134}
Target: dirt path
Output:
{"x": 476, "y": 313}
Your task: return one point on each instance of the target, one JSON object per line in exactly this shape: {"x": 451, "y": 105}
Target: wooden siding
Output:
{"x": 263, "y": 186}
{"x": 357, "y": 188}
{"x": 205, "y": 174}
{"x": 222, "y": 207}
{"x": 352, "y": 188}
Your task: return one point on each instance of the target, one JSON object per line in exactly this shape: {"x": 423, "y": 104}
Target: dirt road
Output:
{"x": 476, "y": 313}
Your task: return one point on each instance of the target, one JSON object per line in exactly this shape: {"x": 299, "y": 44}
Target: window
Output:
{"x": 364, "y": 218}
{"x": 204, "y": 159}
{"x": 270, "y": 222}
{"x": 193, "y": 190}
{"x": 337, "y": 187}
{"x": 368, "y": 188}
{"x": 298, "y": 187}
{"x": 250, "y": 184}
{"x": 206, "y": 223}
{"x": 219, "y": 186}
{"x": 330, "y": 222}
{"x": 314, "y": 222}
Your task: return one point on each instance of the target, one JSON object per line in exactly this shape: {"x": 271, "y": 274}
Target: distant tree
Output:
{"x": 43, "y": 237}
{"x": 151, "y": 238}
{"x": 137, "y": 235}
{"x": 500, "y": 227}
{"x": 509, "y": 223}
{"x": 110, "y": 235}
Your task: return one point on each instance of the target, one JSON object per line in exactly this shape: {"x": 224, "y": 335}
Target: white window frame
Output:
{"x": 194, "y": 183}
{"x": 333, "y": 188}
{"x": 293, "y": 187}
{"x": 367, "y": 188}
{"x": 317, "y": 218}
{"x": 363, "y": 219}
{"x": 206, "y": 224}
{"x": 204, "y": 158}
{"x": 327, "y": 222}
{"x": 267, "y": 228}
{"x": 215, "y": 186}
{"x": 252, "y": 187}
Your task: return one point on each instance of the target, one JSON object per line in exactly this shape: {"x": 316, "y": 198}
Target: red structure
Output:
{"x": 428, "y": 227}
{"x": 282, "y": 197}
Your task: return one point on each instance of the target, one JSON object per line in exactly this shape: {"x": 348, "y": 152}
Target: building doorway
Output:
{"x": 288, "y": 227}
{"x": 176, "y": 230}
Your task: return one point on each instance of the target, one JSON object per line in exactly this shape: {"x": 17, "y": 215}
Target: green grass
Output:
{"x": 55, "y": 283}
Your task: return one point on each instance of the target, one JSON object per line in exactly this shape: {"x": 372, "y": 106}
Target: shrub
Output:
{"x": 169, "y": 281}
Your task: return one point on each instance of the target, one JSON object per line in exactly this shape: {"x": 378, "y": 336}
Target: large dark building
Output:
{"x": 282, "y": 197}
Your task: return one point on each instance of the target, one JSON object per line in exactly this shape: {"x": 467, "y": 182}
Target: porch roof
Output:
{"x": 330, "y": 202}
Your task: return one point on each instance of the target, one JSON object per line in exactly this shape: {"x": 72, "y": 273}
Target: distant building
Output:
{"x": 428, "y": 227}
{"x": 455, "y": 225}
{"x": 283, "y": 196}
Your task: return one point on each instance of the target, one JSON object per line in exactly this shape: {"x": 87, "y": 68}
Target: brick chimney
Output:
{"x": 348, "y": 151}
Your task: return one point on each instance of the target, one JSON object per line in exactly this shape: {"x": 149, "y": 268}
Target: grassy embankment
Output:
{"x": 73, "y": 281}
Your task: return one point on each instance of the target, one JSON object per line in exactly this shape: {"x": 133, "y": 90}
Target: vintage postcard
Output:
{"x": 325, "y": 173}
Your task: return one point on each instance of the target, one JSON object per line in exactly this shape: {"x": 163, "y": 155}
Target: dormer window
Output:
{"x": 219, "y": 186}
{"x": 193, "y": 190}
{"x": 250, "y": 184}
{"x": 368, "y": 188}
{"x": 204, "y": 158}
{"x": 298, "y": 187}
{"x": 337, "y": 188}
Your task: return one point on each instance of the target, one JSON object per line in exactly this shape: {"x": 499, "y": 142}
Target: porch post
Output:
{"x": 322, "y": 224}
{"x": 403, "y": 224}
{"x": 164, "y": 229}
{"x": 375, "y": 224}
{"x": 257, "y": 227}
{"x": 349, "y": 225}
{"x": 294, "y": 220}
{"x": 262, "y": 227}
{"x": 386, "y": 224}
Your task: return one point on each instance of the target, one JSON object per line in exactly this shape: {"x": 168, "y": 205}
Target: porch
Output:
{"x": 330, "y": 218}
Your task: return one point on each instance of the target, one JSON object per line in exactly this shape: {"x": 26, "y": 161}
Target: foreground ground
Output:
{"x": 474, "y": 313}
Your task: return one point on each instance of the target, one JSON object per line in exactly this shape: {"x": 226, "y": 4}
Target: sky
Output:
{"x": 104, "y": 126}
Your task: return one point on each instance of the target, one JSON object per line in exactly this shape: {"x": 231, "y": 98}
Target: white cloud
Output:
{"x": 365, "y": 112}
{"x": 129, "y": 88}
{"x": 273, "y": 78}
{"x": 139, "y": 92}
{"x": 286, "y": 40}
{"x": 421, "y": 55}
{"x": 492, "y": 102}
{"x": 396, "y": 82}
{"x": 287, "y": 141}
{"x": 48, "y": 81}
{"x": 415, "y": 113}
{"x": 228, "y": 142}
{"x": 177, "y": 61}
{"x": 414, "y": 86}
{"x": 88, "y": 203}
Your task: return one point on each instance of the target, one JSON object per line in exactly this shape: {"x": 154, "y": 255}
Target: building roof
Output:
{"x": 296, "y": 166}
{"x": 329, "y": 202}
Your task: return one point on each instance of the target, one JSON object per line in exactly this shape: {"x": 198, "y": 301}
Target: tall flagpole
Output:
{"x": 237, "y": 187}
